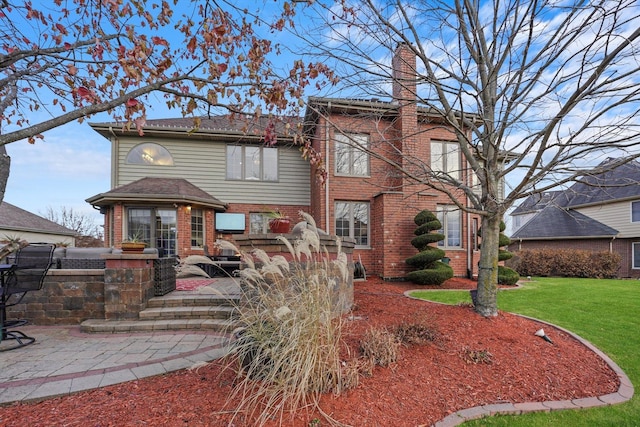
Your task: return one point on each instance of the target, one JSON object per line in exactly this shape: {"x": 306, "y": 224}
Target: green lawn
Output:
{"x": 604, "y": 312}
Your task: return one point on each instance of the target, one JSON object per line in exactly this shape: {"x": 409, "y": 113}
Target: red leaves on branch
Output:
{"x": 84, "y": 93}
{"x": 159, "y": 41}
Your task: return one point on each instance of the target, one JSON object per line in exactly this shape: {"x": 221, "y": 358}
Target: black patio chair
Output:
{"x": 26, "y": 274}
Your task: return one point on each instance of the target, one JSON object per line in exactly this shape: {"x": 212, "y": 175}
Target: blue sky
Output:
{"x": 70, "y": 165}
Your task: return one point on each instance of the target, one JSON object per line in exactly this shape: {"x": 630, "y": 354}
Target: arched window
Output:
{"x": 149, "y": 153}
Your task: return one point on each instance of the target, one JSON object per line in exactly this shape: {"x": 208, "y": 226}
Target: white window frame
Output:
{"x": 252, "y": 163}
{"x": 637, "y": 214}
{"x": 149, "y": 154}
{"x": 445, "y": 214}
{"x": 633, "y": 255}
{"x": 347, "y": 152}
{"x": 198, "y": 234}
{"x": 261, "y": 218}
{"x": 350, "y": 207}
{"x": 443, "y": 154}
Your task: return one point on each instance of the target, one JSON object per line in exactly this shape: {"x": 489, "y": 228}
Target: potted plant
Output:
{"x": 279, "y": 222}
{"x": 134, "y": 243}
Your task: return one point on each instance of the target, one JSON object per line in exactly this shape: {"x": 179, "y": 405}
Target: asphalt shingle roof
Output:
{"x": 623, "y": 182}
{"x": 15, "y": 218}
{"x": 158, "y": 189}
{"x": 556, "y": 222}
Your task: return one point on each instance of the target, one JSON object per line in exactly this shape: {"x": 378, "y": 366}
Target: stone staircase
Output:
{"x": 175, "y": 311}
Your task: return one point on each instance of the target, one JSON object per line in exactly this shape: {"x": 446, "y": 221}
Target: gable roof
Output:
{"x": 619, "y": 183}
{"x": 163, "y": 190}
{"x": 16, "y": 219}
{"x": 554, "y": 222}
{"x": 536, "y": 202}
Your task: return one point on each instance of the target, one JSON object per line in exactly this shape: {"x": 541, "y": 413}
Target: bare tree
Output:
{"x": 79, "y": 222}
{"x": 536, "y": 92}
{"x": 66, "y": 61}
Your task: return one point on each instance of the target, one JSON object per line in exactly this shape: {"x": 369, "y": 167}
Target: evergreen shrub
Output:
{"x": 567, "y": 263}
{"x": 430, "y": 270}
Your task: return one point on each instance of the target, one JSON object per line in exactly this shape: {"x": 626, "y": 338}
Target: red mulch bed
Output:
{"x": 427, "y": 383}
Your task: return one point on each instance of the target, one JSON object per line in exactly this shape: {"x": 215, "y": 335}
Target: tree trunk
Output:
{"x": 487, "y": 292}
{"x": 5, "y": 163}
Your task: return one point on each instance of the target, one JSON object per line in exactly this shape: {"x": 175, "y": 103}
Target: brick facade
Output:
{"x": 399, "y": 130}
{"x": 402, "y": 135}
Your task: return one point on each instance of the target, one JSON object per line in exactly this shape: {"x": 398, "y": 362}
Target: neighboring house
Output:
{"x": 178, "y": 185}
{"x": 16, "y": 223}
{"x": 600, "y": 212}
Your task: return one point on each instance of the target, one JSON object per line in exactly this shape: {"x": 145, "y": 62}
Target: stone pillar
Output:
{"x": 128, "y": 285}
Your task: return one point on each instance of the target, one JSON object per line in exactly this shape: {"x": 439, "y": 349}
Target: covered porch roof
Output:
{"x": 158, "y": 190}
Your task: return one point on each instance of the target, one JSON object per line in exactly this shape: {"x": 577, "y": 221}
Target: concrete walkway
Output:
{"x": 64, "y": 360}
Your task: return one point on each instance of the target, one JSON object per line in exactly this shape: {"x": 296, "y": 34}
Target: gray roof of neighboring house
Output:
{"x": 164, "y": 190}
{"x": 556, "y": 217}
{"x": 15, "y": 219}
{"x": 554, "y": 222}
{"x": 622, "y": 182}
{"x": 536, "y": 202}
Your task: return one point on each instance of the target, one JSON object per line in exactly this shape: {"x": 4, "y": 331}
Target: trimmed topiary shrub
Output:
{"x": 506, "y": 275}
{"x": 430, "y": 269}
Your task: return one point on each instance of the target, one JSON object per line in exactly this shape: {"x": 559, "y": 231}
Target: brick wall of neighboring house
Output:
{"x": 623, "y": 247}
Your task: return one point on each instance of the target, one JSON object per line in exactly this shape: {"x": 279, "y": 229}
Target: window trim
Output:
{"x": 631, "y": 209}
{"x": 242, "y": 166}
{"x": 351, "y": 218}
{"x": 456, "y": 174}
{"x": 633, "y": 255}
{"x": 445, "y": 210}
{"x": 136, "y": 155}
{"x": 202, "y": 228}
{"x": 345, "y": 140}
{"x": 265, "y": 222}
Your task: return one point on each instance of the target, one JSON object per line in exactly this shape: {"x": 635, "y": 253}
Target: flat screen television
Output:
{"x": 230, "y": 222}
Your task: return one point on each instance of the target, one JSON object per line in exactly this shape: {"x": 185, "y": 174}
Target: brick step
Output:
{"x": 123, "y": 326}
{"x": 184, "y": 299}
{"x": 188, "y": 312}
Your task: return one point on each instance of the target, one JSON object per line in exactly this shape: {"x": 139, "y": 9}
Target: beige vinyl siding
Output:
{"x": 615, "y": 215}
{"x": 203, "y": 163}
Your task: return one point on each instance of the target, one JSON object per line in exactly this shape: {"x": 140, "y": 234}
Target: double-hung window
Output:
{"x": 451, "y": 219}
{"x": 197, "y": 228}
{"x": 258, "y": 223}
{"x": 636, "y": 255}
{"x": 445, "y": 158}
{"x": 635, "y": 211}
{"x": 352, "y": 220}
{"x": 252, "y": 163}
{"x": 351, "y": 157}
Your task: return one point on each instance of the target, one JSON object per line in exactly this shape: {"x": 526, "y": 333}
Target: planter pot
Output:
{"x": 133, "y": 247}
{"x": 280, "y": 225}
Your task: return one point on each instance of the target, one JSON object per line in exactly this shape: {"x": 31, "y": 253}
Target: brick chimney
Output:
{"x": 404, "y": 95}
{"x": 404, "y": 75}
